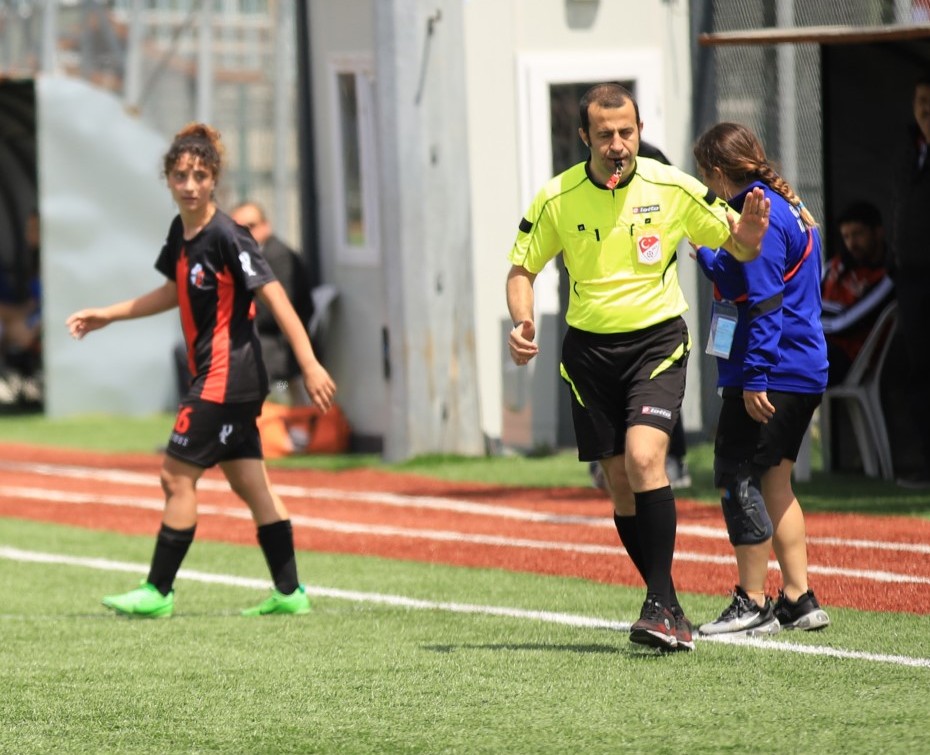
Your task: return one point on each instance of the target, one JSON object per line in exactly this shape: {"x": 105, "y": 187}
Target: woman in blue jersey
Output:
{"x": 772, "y": 363}
{"x": 213, "y": 272}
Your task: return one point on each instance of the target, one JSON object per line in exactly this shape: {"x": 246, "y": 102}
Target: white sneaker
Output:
{"x": 744, "y": 617}
{"x": 676, "y": 470}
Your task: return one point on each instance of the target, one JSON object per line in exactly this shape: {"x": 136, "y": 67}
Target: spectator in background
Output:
{"x": 856, "y": 287}
{"x": 911, "y": 270}
{"x": 291, "y": 271}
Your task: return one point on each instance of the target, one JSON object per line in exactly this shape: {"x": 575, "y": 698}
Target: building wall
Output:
{"x": 497, "y": 35}
{"x": 352, "y": 346}
{"x": 500, "y": 36}
{"x": 105, "y": 215}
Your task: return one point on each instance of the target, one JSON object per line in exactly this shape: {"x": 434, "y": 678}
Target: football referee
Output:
{"x": 617, "y": 221}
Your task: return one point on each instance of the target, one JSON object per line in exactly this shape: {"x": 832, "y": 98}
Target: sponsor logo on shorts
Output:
{"x": 657, "y": 411}
{"x": 645, "y": 208}
{"x": 225, "y": 432}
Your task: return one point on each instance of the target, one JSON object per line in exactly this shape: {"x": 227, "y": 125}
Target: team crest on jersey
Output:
{"x": 197, "y": 276}
{"x": 649, "y": 249}
{"x": 645, "y": 208}
{"x": 246, "y": 261}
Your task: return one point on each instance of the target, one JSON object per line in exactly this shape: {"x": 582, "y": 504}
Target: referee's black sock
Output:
{"x": 277, "y": 542}
{"x": 170, "y": 549}
{"x": 629, "y": 537}
{"x": 656, "y": 523}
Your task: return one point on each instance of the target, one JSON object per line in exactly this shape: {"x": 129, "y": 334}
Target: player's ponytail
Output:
{"x": 739, "y": 154}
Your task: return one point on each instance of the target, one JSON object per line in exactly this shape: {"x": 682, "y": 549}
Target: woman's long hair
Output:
{"x": 738, "y": 153}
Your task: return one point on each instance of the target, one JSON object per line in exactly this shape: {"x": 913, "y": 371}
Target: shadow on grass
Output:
{"x": 541, "y": 646}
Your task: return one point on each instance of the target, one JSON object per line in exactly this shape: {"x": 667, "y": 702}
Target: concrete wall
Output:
{"x": 105, "y": 213}
{"x": 504, "y": 39}
{"x": 341, "y": 33}
{"x": 498, "y": 36}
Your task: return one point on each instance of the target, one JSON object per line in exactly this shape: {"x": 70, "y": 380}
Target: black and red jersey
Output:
{"x": 216, "y": 273}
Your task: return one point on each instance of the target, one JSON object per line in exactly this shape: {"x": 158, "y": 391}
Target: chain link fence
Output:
{"x": 152, "y": 54}
{"x": 776, "y": 89}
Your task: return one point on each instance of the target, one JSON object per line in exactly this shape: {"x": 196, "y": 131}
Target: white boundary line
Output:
{"x": 449, "y": 536}
{"x": 400, "y": 601}
{"x": 437, "y": 503}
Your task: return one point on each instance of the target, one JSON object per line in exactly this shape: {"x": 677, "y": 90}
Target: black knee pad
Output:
{"x": 748, "y": 522}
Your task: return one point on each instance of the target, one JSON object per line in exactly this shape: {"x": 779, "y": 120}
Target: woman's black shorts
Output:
{"x": 741, "y": 439}
{"x": 206, "y": 433}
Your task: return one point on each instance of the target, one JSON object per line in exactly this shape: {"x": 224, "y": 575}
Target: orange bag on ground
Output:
{"x": 284, "y": 428}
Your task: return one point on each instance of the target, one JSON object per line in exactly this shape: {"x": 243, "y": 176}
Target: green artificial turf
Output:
{"x": 362, "y": 676}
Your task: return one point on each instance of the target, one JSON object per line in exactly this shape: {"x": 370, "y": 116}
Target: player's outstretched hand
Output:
{"x": 753, "y": 221}
{"x": 83, "y": 322}
{"x": 320, "y": 386}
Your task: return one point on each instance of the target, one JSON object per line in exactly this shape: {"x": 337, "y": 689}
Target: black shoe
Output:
{"x": 803, "y": 613}
{"x": 684, "y": 631}
{"x": 655, "y": 626}
{"x": 744, "y": 617}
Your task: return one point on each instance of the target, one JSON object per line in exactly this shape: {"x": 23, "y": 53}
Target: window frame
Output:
{"x": 367, "y": 253}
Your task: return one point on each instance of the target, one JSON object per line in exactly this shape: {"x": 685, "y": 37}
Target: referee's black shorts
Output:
{"x": 622, "y": 379}
{"x": 740, "y": 439}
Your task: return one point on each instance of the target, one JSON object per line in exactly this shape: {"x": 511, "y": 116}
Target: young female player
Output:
{"x": 213, "y": 271}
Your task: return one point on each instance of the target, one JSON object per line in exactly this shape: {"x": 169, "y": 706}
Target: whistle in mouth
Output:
{"x": 615, "y": 178}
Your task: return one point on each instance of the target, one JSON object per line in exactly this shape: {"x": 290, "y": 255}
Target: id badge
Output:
{"x": 724, "y": 316}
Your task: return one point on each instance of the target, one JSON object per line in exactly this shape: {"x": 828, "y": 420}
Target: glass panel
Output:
{"x": 354, "y": 231}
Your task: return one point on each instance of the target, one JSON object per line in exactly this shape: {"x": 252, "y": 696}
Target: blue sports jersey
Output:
{"x": 778, "y": 342}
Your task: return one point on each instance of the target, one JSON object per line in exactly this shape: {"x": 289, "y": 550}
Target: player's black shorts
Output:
{"x": 206, "y": 433}
{"x": 622, "y": 379}
{"x": 741, "y": 439}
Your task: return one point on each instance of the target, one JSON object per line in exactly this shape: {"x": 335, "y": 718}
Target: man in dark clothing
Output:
{"x": 856, "y": 286}
{"x": 912, "y": 270}
{"x": 290, "y": 269}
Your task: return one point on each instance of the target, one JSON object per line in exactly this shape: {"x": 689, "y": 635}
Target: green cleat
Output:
{"x": 144, "y": 602}
{"x": 296, "y": 603}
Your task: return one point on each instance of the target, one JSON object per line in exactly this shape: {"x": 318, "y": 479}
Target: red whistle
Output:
{"x": 615, "y": 178}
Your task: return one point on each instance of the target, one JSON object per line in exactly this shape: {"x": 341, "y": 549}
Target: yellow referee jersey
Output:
{"x": 619, "y": 246}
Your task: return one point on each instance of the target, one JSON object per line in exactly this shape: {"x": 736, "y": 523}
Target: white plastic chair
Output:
{"x": 861, "y": 392}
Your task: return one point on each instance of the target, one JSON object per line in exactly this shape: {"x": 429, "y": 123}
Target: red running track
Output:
{"x": 864, "y": 562}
